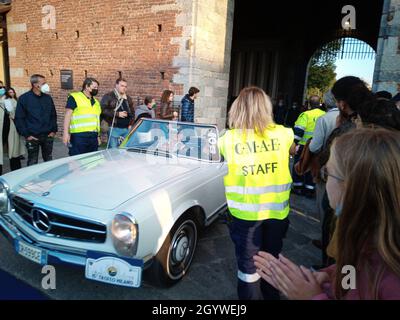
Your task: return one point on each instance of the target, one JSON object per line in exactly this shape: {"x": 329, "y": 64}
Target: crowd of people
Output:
{"x": 350, "y": 147}
{"x": 30, "y": 122}
{"x": 346, "y": 150}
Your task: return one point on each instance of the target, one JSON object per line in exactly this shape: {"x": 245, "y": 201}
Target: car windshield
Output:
{"x": 171, "y": 138}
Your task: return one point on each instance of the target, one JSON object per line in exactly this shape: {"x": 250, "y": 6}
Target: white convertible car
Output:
{"x": 120, "y": 211}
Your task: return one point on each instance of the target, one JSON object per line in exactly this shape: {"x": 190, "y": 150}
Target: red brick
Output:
{"x": 141, "y": 53}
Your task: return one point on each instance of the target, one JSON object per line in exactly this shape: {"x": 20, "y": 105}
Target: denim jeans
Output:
{"x": 117, "y": 136}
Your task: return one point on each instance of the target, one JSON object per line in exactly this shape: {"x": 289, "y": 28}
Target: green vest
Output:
{"x": 307, "y": 121}
{"x": 258, "y": 182}
{"x": 85, "y": 118}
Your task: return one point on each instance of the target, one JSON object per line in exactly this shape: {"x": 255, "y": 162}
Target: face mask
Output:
{"x": 94, "y": 92}
{"x": 2, "y": 92}
{"x": 45, "y": 88}
{"x": 338, "y": 210}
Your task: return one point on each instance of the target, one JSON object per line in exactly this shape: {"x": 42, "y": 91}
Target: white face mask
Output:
{"x": 45, "y": 88}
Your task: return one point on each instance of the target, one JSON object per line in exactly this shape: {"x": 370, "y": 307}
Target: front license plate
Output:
{"x": 113, "y": 271}
{"x": 32, "y": 253}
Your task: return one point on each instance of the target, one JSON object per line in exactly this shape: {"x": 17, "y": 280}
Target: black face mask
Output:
{"x": 94, "y": 92}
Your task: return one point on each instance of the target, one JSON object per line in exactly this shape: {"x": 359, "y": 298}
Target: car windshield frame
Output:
{"x": 174, "y": 129}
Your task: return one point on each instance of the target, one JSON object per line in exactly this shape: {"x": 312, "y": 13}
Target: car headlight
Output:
{"x": 4, "y": 199}
{"x": 124, "y": 232}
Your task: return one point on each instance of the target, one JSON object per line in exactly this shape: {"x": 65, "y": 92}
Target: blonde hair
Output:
{"x": 252, "y": 110}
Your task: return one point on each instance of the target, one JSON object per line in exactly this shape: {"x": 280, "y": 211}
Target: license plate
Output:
{"x": 113, "y": 271}
{"x": 32, "y": 253}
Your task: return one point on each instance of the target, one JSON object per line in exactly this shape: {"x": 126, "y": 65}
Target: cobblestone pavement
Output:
{"x": 211, "y": 276}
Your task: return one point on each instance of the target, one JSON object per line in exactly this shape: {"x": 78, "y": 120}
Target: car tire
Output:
{"x": 176, "y": 254}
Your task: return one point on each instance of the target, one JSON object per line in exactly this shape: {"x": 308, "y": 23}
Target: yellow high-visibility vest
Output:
{"x": 85, "y": 117}
{"x": 258, "y": 182}
{"x": 307, "y": 121}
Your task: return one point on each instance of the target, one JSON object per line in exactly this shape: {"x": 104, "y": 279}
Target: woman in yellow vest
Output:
{"x": 257, "y": 186}
{"x": 82, "y": 119}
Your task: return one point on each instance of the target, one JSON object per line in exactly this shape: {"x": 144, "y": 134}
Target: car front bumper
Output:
{"x": 55, "y": 254}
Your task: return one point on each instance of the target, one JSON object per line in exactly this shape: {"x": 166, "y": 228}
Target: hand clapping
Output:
{"x": 296, "y": 283}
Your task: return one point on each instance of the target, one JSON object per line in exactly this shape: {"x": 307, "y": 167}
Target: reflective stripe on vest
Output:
{"x": 258, "y": 182}
{"x": 307, "y": 121}
{"x": 258, "y": 190}
{"x": 301, "y": 128}
{"x": 85, "y": 117}
{"x": 258, "y": 207}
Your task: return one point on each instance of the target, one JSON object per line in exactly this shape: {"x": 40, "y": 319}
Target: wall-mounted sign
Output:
{"x": 66, "y": 79}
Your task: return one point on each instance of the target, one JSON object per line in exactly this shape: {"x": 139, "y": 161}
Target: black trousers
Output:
{"x": 327, "y": 229}
{"x": 15, "y": 164}
{"x": 83, "y": 143}
{"x": 305, "y": 181}
{"x": 45, "y": 143}
{"x": 250, "y": 237}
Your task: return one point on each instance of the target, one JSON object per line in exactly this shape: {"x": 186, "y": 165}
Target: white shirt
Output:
{"x": 10, "y": 105}
{"x": 323, "y": 129}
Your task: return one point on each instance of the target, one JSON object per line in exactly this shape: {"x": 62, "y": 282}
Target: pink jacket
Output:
{"x": 389, "y": 287}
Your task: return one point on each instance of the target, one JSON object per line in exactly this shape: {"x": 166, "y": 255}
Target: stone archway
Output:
{"x": 275, "y": 40}
{"x": 345, "y": 48}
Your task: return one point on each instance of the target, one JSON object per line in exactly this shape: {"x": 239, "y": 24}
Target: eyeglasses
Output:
{"x": 325, "y": 174}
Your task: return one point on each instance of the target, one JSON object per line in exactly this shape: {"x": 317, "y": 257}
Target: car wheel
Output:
{"x": 175, "y": 256}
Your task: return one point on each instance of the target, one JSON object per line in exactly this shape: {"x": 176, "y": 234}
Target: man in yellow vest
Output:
{"x": 303, "y": 131}
{"x": 82, "y": 119}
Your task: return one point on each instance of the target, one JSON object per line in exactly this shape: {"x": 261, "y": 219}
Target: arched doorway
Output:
{"x": 339, "y": 58}
{"x": 272, "y": 42}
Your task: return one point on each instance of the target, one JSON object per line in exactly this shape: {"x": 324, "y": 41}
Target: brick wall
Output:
{"x": 132, "y": 37}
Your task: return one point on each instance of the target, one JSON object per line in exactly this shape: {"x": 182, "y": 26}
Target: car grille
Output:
{"x": 62, "y": 226}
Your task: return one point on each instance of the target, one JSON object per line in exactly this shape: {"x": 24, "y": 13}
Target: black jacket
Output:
{"x": 35, "y": 115}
